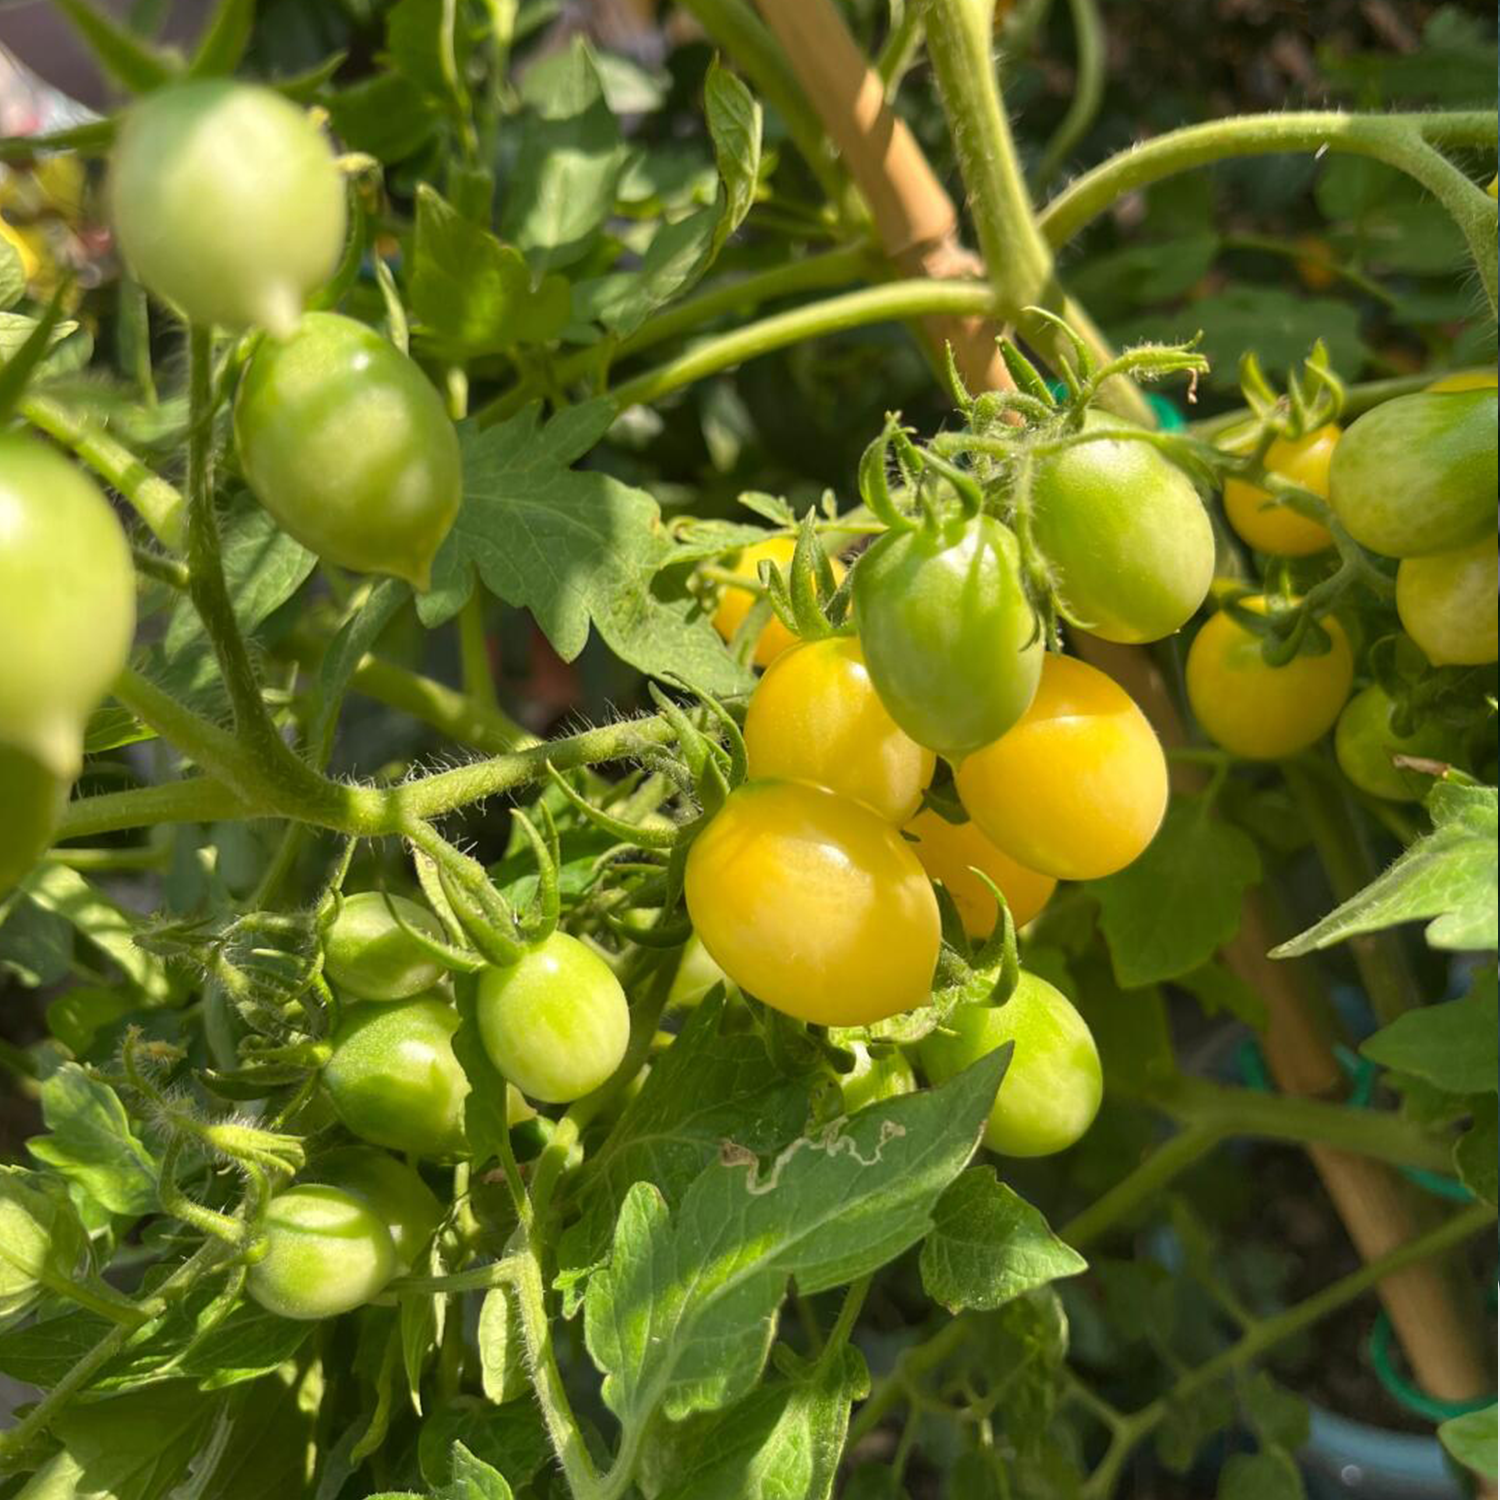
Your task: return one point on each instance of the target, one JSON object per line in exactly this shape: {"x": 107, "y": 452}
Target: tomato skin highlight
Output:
{"x": 349, "y": 446}
{"x": 31, "y": 806}
{"x": 734, "y": 604}
{"x": 1418, "y": 475}
{"x": 1259, "y": 711}
{"x": 405, "y": 1204}
{"x": 394, "y": 1080}
{"x": 815, "y": 716}
{"x": 227, "y": 202}
{"x": 1129, "y": 543}
{"x": 1051, "y": 1091}
{"x": 327, "y": 1253}
{"x": 67, "y": 602}
{"x": 1365, "y": 743}
{"x": 1078, "y": 788}
{"x": 557, "y": 1022}
{"x": 1448, "y": 604}
{"x": 813, "y": 905}
{"x": 950, "y": 640}
{"x": 369, "y": 957}
{"x": 1278, "y": 529}
{"x": 951, "y": 852}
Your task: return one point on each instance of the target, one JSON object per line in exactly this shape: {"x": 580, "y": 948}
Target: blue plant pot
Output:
{"x": 1346, "y": 1458}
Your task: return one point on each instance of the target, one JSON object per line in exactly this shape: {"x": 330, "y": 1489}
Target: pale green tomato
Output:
{"x": 67, "y": 602}
{"x": 408, "y": 1207}
{"x": 1366, "y": 745}
{"x": 1448, "y": 604}
{"x": 556, "y": 1023}
{"x": 367, "y": 955}
{"x": 696, "y": 975}
{"x": 1052, "y": 1088}
{"x": 327, "y": 1252}
{"x": 31, "y": 803}
{"x": 227, "y": 202}
{"x": 875, "y": 1077}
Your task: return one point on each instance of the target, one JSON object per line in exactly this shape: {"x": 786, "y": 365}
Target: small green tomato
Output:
{"x": 327, "y": 1252}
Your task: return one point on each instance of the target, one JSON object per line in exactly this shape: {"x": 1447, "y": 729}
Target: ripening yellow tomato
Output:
{"x": 1278, "y": 529}
{"x": 1448, "y": 604}
{"x": 1078, "y": 788}
{"x": 813, "y": 904}
{"x": 1254, "y": 709}
{"x": 735, "y": 604}
{"x": 815, "y": 716}
{"x": 952, "y": 852}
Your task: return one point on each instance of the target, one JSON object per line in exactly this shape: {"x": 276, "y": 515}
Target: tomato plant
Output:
{"x": 815, "y": 716}
{"x": 345, "y": 441}
{"x": 556, "y": 1023}
{"x": 370, "y": 954}
{"x": 1277, "y": 528}
{"x": 813, "y": 904}
{"x": 1260, "y": 710}
{"x": 1079, "y": 787}
{"x": 1053, "y": 1083}
{"x": 1447, "y": 603}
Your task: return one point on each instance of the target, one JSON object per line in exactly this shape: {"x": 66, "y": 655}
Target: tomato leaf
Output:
{"x": 509, "y": 1439}
{"x": 988, "y": 1245}
{"x": 682, "y": 1318}
{"x": 574, "y": 547}
{"x": 1474, "y": 1156}
{"x": 1449, "y": 875}
{"x": 735, "y": 119}
{"x": 1471, "y": 1440}
{"x": 1446, "y": 1045}
{"x": 1171, "y": 911}
{"x": 1268, "y": 1475}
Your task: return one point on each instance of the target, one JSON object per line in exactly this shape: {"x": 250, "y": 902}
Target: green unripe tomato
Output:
{"x": 1449, "y": 605}
{"x": 367, "y": 954}
{"x": 31, "y": 803}
{"x": 227, "y": 202}
{"x": 394, "y": 1079}
{"x": 1366, "y": 744}
{"x": 349, "y": 446}
{"x": 1128, "y": 541}
{"x": 949, "y": 638}
{"x": 557, "y": 1022}
{"x": 696, "y": 975}
{"x": 327, "y": 1252}
{"x": 1052, "y": 1088}
{"x": 67, "y": 602}
{"x": 875, "y": 1076}
{"x": 1418, "y": 475}
{"x": 407, "y": 1206}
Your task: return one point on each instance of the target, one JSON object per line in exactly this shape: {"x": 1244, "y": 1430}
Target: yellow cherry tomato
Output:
{"x": 814, "y": 905}
{"x": 1448, "y": 604}
{"x": 736, "y": 603}
{"x": 1467, "y": 380}
{"x": 1078, "y": 788}
{"x": 952, "y": 852}
{"x": 1254, "y": 709}
{"x": 1279, "y": 529}
{"x": 815, "y": 716}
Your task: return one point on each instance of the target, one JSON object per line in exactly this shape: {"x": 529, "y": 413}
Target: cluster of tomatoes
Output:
{"x": 1413, "y": 479}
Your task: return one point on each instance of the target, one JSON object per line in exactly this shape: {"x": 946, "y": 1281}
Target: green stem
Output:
{"x": 474, "y": 653}
{"x": 1270, "y": 244}
{"x": 198, "y": 799}
{"x": 896, "y": 301}
{"x": 1088, "y": 89}
{"x": 911, "y": 1366}
{"x": 159, "y": 504}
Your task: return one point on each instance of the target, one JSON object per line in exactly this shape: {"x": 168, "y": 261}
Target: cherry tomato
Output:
{"x": 403, "y": 1202}
{"x": 696, "y": 975}
{"x": 1128, "y": 541}
{"x": 1259, "y": 711}
{"x": 1466, "y": 380}
{"x": 1052, "y": 1088}
{"x": 875, "y": 1077}
{"x": 1366, "y": 744}
{"x": 814, "y": 905}
{"x": 227, "y": 202}
{"x": 1418, "y": 475}
{"x": 394, "y": 1080}
{"x": 369, "y": 957}
{"x": 327, "y": 1252}
{"x": 815, "y": 716}
{"x": 67, "y": 601}
{"x": 950, "y": 640}
{"x": 1278, "y": 529}
{"x": 951, "y": 852}
{"x": 1448, "y": 604}
{"x": 31, "y": 803}
{"x": 347, "y": 443}
{"x": 734, "y": 604}
{"x": 556, "y": 1023}
{"x": 1079, "y": 787}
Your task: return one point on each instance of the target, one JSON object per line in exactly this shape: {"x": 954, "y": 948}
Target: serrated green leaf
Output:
{"x": 111, "y": 727}
{"x": 510, "y": 1439}
{"x": 1170, "y": 911}
{"x": 1471, "y": 1440}
{"x": 1451, "y": 1045}
{"x": 1449, "y": 875}
{"x": 989, "y": 1245}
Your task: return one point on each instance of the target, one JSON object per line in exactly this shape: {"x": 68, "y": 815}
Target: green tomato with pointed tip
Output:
{"x": 349, "y": 446}
{"x": 369, "y": 955}
{"x": 227, "y": 202}
{"x": 326, "y": 1252}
